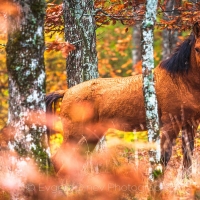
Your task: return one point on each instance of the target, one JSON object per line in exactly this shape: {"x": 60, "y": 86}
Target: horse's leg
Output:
{"x": 188, "y": 133}
{"x": 82, "y": 136}
{"x": 70, "y": 149}
{"x": 81, "y": 132}
{"x": 167, "y": 140}
{"x": 79, "y": 140}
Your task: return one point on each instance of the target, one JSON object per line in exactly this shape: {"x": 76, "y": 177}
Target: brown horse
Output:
{"x": 90, "y": 108}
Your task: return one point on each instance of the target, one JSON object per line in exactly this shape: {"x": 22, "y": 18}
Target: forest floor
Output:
{"x": 116, "y": 162}
{"x": 175, "y": 187}
{"x": 120, "y": 171}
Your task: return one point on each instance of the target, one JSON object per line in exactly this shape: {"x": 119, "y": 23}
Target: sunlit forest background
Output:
{"x": 114, "y": 47}
{"x": 115, "y": 59}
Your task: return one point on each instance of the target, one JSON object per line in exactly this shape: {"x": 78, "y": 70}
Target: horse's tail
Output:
{"x": 51, "y": 100}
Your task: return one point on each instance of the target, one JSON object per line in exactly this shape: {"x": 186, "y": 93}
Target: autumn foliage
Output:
{"x": 129, "y": 12}
{"x": 54, "y": 22}
{"x": 125, "y": 12}
{"x": 185, "y": 16}
{"x": 114, "y": 59}
{"x": 10, "y": 9}
{"x": 64, "y": 47}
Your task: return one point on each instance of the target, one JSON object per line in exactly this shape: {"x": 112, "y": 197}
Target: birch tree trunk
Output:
{"x": 80, "y": 31}
{"x": 26, "y": 72}
{"x": 151, "y": 105}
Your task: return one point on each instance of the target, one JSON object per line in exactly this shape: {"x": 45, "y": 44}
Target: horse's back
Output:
{"x": 119, "y": 100}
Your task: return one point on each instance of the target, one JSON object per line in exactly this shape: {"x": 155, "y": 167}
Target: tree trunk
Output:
{"x": 80, "y": 31}
{"x": 151, "y": 105}
{"x": 26, "y": 72}
{"x": 136, "y": 52}
{"x": 170, "y": 37}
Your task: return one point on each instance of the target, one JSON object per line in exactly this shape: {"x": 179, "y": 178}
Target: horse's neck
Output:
{"x": 193, "y": 75}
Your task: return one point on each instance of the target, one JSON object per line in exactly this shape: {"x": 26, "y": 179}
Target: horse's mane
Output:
{"x": 179, "y": 61}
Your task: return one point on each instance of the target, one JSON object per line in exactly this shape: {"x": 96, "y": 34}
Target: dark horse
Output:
{"x": 90, "y": 108}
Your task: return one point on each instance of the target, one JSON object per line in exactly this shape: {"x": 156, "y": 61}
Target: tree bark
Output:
{"x": 80, "y": 31}
{"x": 136, "y": 52}
{"x": 151, "y": 105}
{"x": 26, "y": 74}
